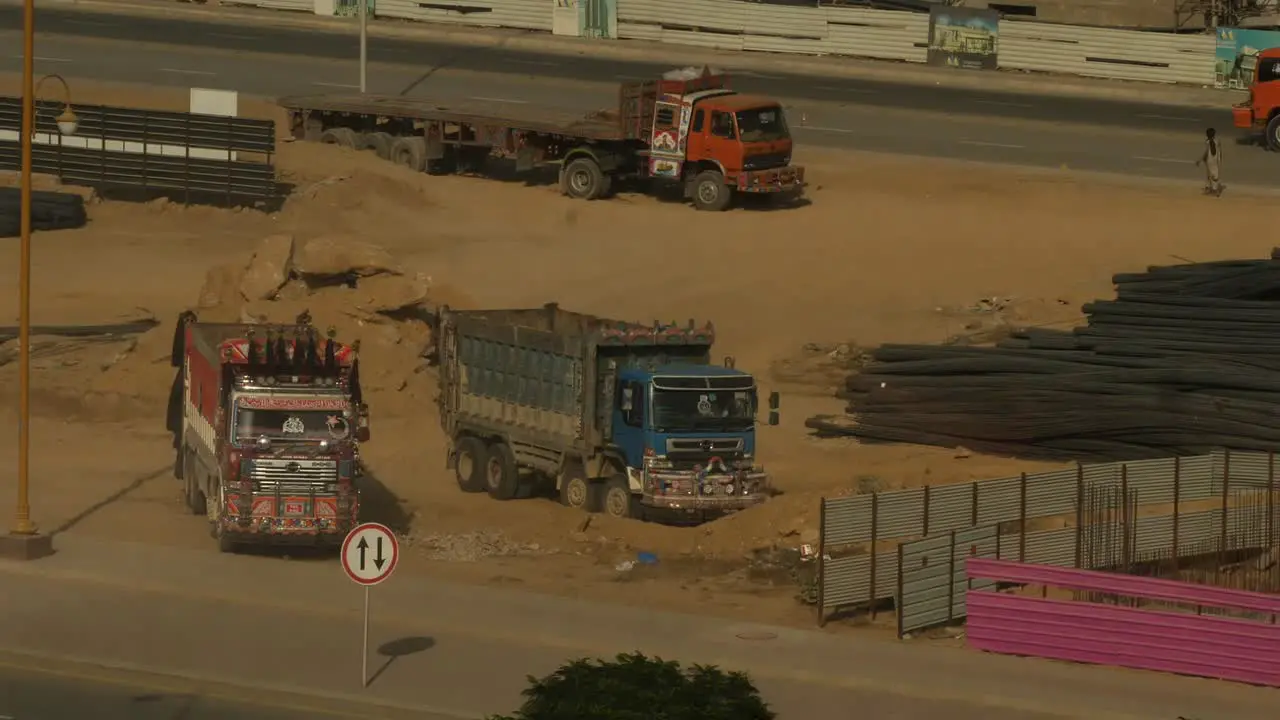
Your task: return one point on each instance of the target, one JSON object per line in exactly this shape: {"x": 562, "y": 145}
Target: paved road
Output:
{"x": 1044, "y": 131}
{"x": 27, "y": 695}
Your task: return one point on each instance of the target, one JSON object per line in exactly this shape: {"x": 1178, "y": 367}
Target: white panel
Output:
{"x": 721, "y": 15}
{"x": 1101, "y": 52}
{"x": 299, "y": 5}
{"x": 881, "y": 34}
{"x": 523, "y": 14}
{"x": 702, "y": 39}
{"x": 225, "y": 103}
{"x": 799, "y": 23}
{"x": 639, "y": 31}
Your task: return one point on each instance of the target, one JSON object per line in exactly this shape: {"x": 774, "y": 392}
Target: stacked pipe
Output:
{"x": 1185, "y": 360}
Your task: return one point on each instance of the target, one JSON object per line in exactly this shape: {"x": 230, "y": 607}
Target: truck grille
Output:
{"x": 766, "y": 161}
{"x": 710, "y": 446}
{"x": 289, "y": 475}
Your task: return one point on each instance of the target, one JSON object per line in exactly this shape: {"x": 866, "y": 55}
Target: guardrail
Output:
{"x": 1187, "y": 643}
{"x": 957, "y": 36}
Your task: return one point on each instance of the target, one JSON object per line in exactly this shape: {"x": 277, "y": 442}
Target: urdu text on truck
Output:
{"x": 625, "y": 418}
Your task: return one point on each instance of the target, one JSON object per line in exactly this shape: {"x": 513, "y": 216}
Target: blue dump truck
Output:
{"x": 623, "y": 418}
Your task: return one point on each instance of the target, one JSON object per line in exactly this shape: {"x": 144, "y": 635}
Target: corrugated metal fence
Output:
{"x": 519, "y": 14}
{"x": 1245, "y": 647}
{"x": 851, "y": 574}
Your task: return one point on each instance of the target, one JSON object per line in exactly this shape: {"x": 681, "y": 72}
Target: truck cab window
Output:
{"x": 699, "y": 118}
{"x": 1268, "y": 70}
{"x": 722, "y": 125}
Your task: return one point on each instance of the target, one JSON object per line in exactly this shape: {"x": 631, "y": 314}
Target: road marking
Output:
{"x": 1166, "y": 117}
{"x": 819, "y": 128}
{"x": 500, "y": 100}
{"x": 235, "y": 36}
{"x": 1178, "y": 161}
{"x": 833, "y": 88}
{"x": 81, "y": 21}
{"x": 187, "y": 72}
{"x": 981, "y": 143}
{"x": 539, "y": 63}
{"x": 41, "y": 59}
{"x": 1003, "y": 103}
{"x": 749, "y": 73}
{"x": 336, "y": 85}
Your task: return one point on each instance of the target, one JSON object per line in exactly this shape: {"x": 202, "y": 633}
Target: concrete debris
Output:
{"x": 268, "y": 269}
{"x": 389, "y": 293}
{"x": 336, "y": 256}
{"x": 471, "y": 546}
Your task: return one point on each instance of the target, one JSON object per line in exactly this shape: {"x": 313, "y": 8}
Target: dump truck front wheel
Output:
{"x": 710, "y": 192}
{"x": 618, "y": 501}
{"x": 583, "y": 179}
{"x": 469, "y": 465}
{"x": 1273, "y": 133}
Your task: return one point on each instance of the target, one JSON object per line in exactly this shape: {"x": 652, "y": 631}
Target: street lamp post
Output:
{"x": 24, "y": 540}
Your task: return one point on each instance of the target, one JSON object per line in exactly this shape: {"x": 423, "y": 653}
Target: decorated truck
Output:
{"x": 1260, "y": 113}
{"x": 268, "y": 424}
{"x": 686, "y": 129}
{"x": 625, "y": 418}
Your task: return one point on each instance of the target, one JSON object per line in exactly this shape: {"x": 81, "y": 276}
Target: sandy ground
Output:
{"x": 890, "y": 250}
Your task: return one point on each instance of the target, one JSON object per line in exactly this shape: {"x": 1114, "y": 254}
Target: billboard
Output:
{"x": 964, "y": 37}
{"x": 1237, "y": 55}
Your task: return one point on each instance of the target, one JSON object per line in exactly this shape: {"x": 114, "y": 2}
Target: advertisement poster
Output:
{"x": 963, "y": 37}
{"x": 1237, "y": 55}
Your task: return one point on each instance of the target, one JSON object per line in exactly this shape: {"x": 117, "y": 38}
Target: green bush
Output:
{"x": 635, "y": 687}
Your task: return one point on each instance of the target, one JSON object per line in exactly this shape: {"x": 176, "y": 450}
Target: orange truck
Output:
{"x": 687, "y": 130}
{"x": 1261, "y": 112}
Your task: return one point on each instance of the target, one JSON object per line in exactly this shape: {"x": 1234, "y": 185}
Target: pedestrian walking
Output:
{"x": 1211, "y": 159}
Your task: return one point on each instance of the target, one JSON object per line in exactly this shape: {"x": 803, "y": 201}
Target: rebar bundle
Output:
{"x": 1185, "y": 360}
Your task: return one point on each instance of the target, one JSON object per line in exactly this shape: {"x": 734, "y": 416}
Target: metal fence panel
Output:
{"x": 1245, "y": 469}
{"x": 845, "y": 581}
{"x": 1109, "y": 53}
{"x": 308, "y": 6}
{"x": 934, "y": 577}
{"x": 783, "y": 29}
{"x": 1051, "y": 547}
{"x": 900, "y": 513}
{"x": 1197, "y": 527}
{"x": 1051, "y": 493}
{"x": 521, "y": 14}
{"x": 880, "y": 34}
{"x": 950, "y": 507}
{"x": 1153, "y": 534}
{"x": 1100, "y": 473}
{"x": 846, "y": 520}
{"x": 1152, "y": 480}
{"x": 999, "y": 500}
{"x": 1196, "y": 477}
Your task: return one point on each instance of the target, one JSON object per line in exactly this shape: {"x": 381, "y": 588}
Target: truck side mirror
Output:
{"x": 362, "y": 434}
{"x": 729, "y": 362}
{"x": 774, "y": 401}
{"x": 773, "y": 418}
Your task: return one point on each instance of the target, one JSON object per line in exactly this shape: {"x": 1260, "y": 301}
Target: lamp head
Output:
{"x": 67, "y": 121}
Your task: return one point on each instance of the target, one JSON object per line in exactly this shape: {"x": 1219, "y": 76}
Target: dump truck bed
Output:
{"x": 538, "y": 118}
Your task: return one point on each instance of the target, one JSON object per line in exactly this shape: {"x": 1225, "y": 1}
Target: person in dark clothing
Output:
{"x": 1211, "y": 158}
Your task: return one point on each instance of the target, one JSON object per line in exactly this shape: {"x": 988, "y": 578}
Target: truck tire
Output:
{"x": 469, "y": 464}
{"x": 379, "y": 142}
{"x": 501, "y": 478}
{"x": 618, "y": 501}
{"x": 582, "y": 179}
{"x": 579, "y": 492}
{"x": 345, "y": 137}
{"x": 1273, "y": 133}
{"x": 410, "y": 152}
{"x": 710, "y": 192}
{"x": 194, "y": 495}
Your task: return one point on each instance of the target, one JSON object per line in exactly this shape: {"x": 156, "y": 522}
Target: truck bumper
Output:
{"x": 675, "y": 490}
{"x": 788, "y": 179}
{"x": 313, "y": 532}
{"x": 700, "y": 502}
{"x": 1242, "y": 116}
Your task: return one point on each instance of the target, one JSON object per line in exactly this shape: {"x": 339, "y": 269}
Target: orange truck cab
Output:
{"x": 713, "y": 140}
{"x": 1261, "y": 112}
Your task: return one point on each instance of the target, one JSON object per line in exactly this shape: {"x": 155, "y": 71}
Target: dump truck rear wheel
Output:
{"x": 709, "y": 191}
{"x": 1273, "y": 133}
{"x": 194, "y": 495}
{"x": 618, "y": 501}
{"x": 379, "y": 142}
{"x": 346, "y": 137}
{"x": 583, "y": 179}
{"x": 470, "y": 463}
{"x": 410, "y": 152}
{"x": 577, "y": 491}
{"x": 501, "y": 477}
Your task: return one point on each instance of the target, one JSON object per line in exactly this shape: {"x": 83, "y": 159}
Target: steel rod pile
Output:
{"x": 1185, "y": 360}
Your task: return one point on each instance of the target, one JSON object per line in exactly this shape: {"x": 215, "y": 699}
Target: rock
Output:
{"x": 221, "y": 286}
{"x": 388, "y": 293}
{"x": 268, "y": 269}
{"x": 336, "y": 256}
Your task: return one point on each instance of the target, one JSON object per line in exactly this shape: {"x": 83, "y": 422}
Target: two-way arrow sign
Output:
{"x": 370, "y": 553}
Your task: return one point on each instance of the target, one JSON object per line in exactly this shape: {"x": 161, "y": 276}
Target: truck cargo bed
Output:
{"x": 537, "y": 118}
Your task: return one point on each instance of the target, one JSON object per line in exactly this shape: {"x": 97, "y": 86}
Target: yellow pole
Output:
{"x": 22, "y": 524}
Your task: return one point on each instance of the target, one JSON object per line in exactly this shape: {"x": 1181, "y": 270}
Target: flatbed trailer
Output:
{"x": 686, "y": 129}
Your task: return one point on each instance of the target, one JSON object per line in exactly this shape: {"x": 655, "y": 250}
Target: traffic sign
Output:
{"x": 370, "y": 553}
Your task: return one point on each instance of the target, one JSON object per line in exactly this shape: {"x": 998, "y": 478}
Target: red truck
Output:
{"x": 1261, "y": 112}
{"x": 268, "y": 431}
{"x": 686, "y": 129}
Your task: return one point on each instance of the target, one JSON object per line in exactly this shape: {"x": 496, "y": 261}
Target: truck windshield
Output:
{"x": 762, "y": 125}
{"x": 717, "y": 410}
{"x": 302, "y": 425}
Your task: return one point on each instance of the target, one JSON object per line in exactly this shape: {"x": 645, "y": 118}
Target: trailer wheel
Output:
{"x": 410, "y": 152}
{"x": 578, "y": 492}
{"x": 344, "y": 137}
{"x": 191, "y": 480}
{"x": 710, "y": 192}
{"x": 618, "y": 500}
{"x": 1273, "y": 133}
{"x": 379, "y": 142}
{"x": 583, "y": 179}
{"x": 469, "y": 467}
{"x": 501, "y": 477}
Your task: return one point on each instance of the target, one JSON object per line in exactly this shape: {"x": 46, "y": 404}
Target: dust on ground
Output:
{"x": 891, "y": 250}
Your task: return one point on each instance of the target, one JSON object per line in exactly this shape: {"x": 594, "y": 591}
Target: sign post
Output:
{"x": 364, "y": 45}
{"x": 369, "y": 556}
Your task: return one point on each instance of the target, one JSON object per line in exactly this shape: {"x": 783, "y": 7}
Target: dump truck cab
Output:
{"x": 712, "y": 139}
{"x": 1261, "y": 112}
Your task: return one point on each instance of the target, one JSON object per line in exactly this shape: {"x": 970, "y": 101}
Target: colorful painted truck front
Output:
{"x": 269, "y": 422}
{"x": 625, "y": 418}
